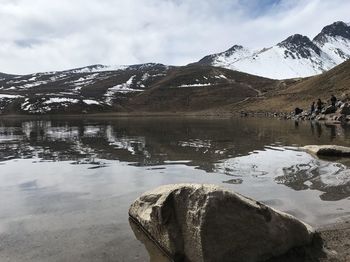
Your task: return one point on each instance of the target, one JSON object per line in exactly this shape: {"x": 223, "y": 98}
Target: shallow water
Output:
{"x": 66, "y": 184}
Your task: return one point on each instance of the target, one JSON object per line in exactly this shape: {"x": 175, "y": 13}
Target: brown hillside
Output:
{"x": 303, "y": 92}
{"x": 194, "y": 88}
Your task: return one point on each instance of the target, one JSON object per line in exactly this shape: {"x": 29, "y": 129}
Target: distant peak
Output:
{"x": 296, "y": 39}
{"x": 339, "y": 23}
{"x": 338, "y": 28}
{"x": 299, "y": 46}
{"x": 235, "y": 48}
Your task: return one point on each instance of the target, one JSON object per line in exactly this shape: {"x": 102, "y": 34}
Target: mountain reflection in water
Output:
{"x": 255, "y": 148}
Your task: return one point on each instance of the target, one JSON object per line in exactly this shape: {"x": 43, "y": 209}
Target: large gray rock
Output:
{"x": 328, "y": 150}
{"x": 205, "y": 223}
{"x": 329, "y": 110}
{"x": 345, "y": 109}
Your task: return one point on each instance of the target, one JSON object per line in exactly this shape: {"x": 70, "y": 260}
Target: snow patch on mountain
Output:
{"x": 195, "y": 85}
{"x": 61, "y": 100}
{"x": 121, "y": 88}
{"x": 91, "y": 102}
{"x": 7, "y": 96}
{"x": 337, "y": 48}
{"x": 232, "y": 55}
{"x": 37, "y": 107}
{"x": 34, "y": 108}
{"x": 98, "y": 68}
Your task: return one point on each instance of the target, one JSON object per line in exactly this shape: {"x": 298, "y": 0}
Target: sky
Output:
{"x": 48, "y": 35}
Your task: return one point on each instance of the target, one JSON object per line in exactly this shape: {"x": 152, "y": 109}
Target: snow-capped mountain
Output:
{"x": 296, "y": 56}
{"x": 334, "y": 40}
{"x": 89, "y": 89}
{"x": 145, "y": 87}
{"x": 235, "y": 53}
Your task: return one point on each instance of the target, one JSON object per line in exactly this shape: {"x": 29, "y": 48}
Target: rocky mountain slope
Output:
{"x": 4, "y": 76}
{"x": 303, "y": 92}
{"x": 296, "y": 56}
{"x": 95, "y": 88}
{"x": 194, "y": 88}
{"x": 137, "y": 88}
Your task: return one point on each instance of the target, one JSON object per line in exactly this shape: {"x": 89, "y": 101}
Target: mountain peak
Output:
{"x": 235, "y": 48}
{"x": 234, "y": 53}
{"x": 296, "y": 39}
{"x": 299, "y": 46}
{"x": 295, "y": 56}
{"x": 333, "y": 30}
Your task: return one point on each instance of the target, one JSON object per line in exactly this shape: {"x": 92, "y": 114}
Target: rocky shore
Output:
{"x": 333, "y": 246}
{"x": 338, "y": 114}
{"x": 336, "y": 239}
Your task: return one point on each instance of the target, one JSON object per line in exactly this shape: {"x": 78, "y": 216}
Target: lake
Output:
{"x": 66, "y": 184}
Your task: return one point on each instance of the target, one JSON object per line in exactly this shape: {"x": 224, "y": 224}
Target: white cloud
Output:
{"x": 42, "y": 35}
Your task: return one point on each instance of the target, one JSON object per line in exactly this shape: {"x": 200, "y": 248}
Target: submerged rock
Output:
{"x": 328, "y": 150}
{"x": 205, "y": 223}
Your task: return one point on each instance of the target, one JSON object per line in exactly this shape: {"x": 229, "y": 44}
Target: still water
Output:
{"x": 66, "y": 184}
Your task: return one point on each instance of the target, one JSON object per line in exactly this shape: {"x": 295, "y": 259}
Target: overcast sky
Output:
{"x": 45, "y": 35}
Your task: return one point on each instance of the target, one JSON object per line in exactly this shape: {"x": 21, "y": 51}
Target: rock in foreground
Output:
{"x": 206, "y": 223}
{"x": 328, "y": 150}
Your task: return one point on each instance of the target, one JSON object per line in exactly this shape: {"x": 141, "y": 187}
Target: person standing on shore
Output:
{"x": 319, "y": 105}
{"x": 333, "y": 100}
{"x": 312, "y": 109}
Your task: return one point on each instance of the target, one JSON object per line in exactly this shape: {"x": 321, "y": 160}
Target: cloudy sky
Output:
{"x": 45, "y": 35}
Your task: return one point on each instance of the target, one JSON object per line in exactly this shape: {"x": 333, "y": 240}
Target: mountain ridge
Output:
{"x": 152, "y": 90}
{"x": 296, "y": 56}
{"x": 145, "y": 87}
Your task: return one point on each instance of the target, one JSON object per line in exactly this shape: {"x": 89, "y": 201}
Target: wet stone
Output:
{"x": 328, "y": 150}
{"x": 205, "y": 223}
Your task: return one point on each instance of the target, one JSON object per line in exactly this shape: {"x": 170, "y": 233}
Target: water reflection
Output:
{"x": 155, "y": 253}
{"x": 230, "y": 147}
{"x": 331, "y": 178}
{"x": 151, "y": 142}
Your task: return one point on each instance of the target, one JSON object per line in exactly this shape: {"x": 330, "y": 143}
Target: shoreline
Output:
{"x": 336, "y": 240}
{"x": 331, "y": 244}
{"x": 223, "y": 115}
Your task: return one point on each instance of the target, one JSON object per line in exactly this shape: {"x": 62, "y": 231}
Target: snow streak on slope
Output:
{"x": 99, "y": 68}
{"x": 225, "y": 59}
{"x": 337, "y": 48}
{"x": 122, "y": 88}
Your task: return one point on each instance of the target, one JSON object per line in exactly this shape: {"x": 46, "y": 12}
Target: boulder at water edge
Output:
{"x": 345, "y": 109}
{"x": 328, "y": 150}
{"x": 205, "y": 223}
